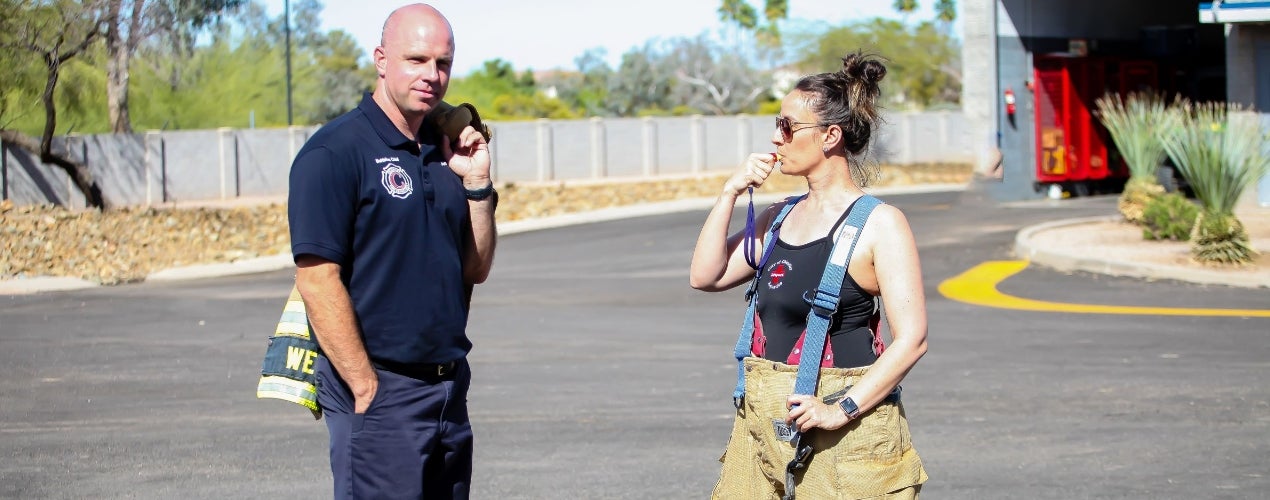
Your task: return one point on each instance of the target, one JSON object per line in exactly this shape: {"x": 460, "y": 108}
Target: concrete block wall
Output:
{"x": 26, "y": 180}
{"x": 175, "y": 167}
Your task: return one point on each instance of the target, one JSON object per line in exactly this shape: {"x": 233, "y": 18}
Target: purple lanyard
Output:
{"x": 750, "y": 240}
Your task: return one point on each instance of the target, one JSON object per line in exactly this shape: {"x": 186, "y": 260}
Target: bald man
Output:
{"x": 391, "y": 227}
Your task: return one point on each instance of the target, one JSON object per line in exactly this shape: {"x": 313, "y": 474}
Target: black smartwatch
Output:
{"x": 849, "y": 407}
{"x": 479, "y": 194}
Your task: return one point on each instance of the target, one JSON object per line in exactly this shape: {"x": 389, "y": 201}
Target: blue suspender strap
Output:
{"x": 825, "y": 302}
{"x": 746, "y": 337}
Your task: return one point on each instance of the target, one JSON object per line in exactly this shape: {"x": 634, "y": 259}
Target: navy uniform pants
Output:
{"x": 415, "y": 440}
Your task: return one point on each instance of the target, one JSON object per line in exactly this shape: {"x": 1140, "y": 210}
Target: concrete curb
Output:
{"x": 244, "y": 266}
{"x": 284, "y": 261}
{"x": 1072, "y": 261}
{"x": 23, "y": 286}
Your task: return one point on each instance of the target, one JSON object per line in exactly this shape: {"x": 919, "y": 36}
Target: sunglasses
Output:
{"x": 786, "y": 126}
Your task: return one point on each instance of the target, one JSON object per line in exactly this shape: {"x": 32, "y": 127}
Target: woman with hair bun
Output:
{"x": 818, "y": 398}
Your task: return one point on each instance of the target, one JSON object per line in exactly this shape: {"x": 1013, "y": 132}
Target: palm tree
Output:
{"x": 905, "y": 8}
{"x": 946, "y": 11}
{"x": 1135, "y": 125}
{"x": 1220, "y": 150}
{"x": 945, "y": 14}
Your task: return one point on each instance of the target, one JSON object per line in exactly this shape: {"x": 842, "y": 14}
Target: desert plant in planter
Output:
{"x": 1135, "y": 124}
{"x": 1219, "y": 149}
{"x": 1169, "y": 217}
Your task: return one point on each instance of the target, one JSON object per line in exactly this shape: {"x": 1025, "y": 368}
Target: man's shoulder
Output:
{"x": 341, "y": 126}
{"x": 341, "y": 135}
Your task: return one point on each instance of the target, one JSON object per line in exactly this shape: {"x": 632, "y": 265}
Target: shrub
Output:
{"x": 1168, "y": 217}
{"x": 1138, "y": 194}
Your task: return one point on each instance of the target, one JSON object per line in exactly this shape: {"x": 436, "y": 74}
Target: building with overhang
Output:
{"x": 1033, "y": 68}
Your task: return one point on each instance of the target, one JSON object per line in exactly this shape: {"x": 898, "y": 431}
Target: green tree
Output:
{"x": 906, "y": 8}
{"x": 922, "y": 62}
{"x": 219, "y": 89}
{"x": 501, "y": 93}
{"x": 584, "y": 90}
{"x": 236, "y": 74}
{"x": 329, "y": 72}
{"x": 743, "y": 15}
{"x": 241, "y": 62}
{"x": 739, "y": 12}
{"x": 710, "y": 79}
{"x": 640, "y": 84}
{"x": 329, "y": 75}
{"x": 22, "y": 78}
{"x": 945, "y": 14}
{"x": 521, "y": 106}
{"x": 53, "y": 33}
{"x": 129, "y": 24}
{"x": 676, "y": 76}
{"x": 206, "y": 72}
{"x": 494, "y": 78}
{"x": 333, "y": 79}
{"x": 946, "y": 11}
{"x": 593, "y": 88}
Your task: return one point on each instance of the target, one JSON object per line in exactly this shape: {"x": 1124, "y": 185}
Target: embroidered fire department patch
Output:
{"x": 776, "y": 273}
{"x": 396, "y": 181}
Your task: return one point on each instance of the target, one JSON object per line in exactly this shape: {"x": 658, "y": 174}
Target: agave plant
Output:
{"x": 1135, "y": 124}
{"x": 1221, "y": 151}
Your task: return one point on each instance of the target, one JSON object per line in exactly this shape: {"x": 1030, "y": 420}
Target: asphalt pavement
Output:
{"x": 598, "y": 373}
{"x": 1058, "y": 251}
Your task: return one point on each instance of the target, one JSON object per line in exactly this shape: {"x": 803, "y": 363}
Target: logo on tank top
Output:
{"x": 396, "y": 181}
{"x": 776, "y": 273}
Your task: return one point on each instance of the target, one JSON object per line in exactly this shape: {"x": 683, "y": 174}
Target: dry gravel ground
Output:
{"x": 126, "y": 245}
{"x": 1118, "y": 241}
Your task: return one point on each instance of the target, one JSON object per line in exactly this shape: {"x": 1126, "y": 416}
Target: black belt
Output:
{"x": 419, "y": 370}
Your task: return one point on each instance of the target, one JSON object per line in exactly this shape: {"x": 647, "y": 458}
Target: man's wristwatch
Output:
{"x": 479, "y": 194}
{"x": 849, "y": 407}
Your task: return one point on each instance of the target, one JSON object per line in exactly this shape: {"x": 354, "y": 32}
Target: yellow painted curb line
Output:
{"x": 978, "y": 286}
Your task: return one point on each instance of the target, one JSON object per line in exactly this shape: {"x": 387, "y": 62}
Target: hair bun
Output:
{"x": 861, "y": 66}
{"x": 848, "y": 98}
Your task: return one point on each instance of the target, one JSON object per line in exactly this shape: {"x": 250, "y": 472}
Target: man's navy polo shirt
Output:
{"x": 394, "y": 217}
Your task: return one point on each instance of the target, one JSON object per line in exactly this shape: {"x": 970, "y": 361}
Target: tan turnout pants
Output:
{"x": 870, "y": 457}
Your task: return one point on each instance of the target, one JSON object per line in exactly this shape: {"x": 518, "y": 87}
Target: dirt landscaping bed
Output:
{"x": 128, "y": 244}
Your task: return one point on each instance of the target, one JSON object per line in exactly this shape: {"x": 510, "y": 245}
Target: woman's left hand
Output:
{"x": 809, "y": 412}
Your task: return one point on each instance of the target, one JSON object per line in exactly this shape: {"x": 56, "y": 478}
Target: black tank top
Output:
{"x": 794, "y": 271}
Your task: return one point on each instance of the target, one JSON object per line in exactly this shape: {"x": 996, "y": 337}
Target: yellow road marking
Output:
{"x": 978, "y": 286}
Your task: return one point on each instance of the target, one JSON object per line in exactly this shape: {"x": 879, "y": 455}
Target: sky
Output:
{"x": 550, "y": 34}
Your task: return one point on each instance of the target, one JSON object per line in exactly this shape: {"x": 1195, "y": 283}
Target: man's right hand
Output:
{"x": 364, "y": 392}
{"x": 330, "y": 312}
